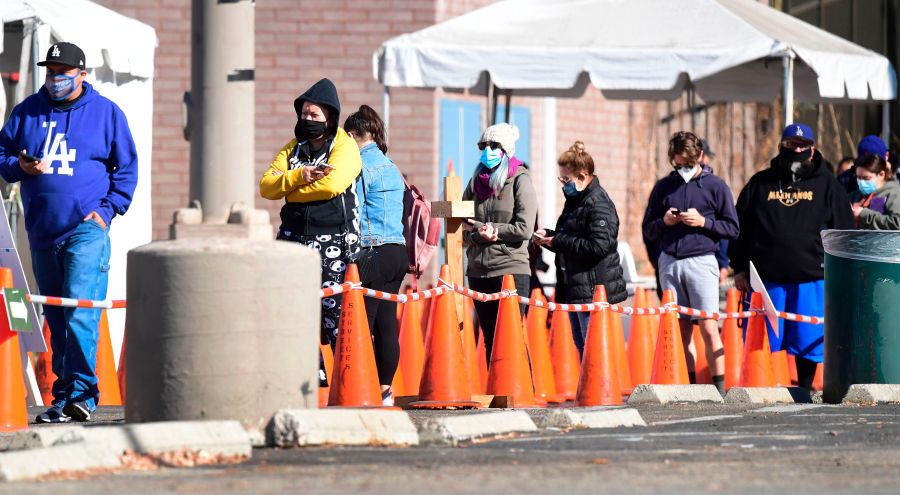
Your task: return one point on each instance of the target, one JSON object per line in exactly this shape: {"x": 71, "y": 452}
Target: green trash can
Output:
{"x": 862, "y": 309}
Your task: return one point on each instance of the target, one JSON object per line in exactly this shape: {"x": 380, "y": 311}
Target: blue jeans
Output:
{"x": 579, "y": 322}
{"x": 77, "y": 267}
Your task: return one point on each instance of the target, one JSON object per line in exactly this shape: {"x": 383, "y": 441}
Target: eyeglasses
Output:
{"x": 565, "y": 180}
{"x": 493, "y": 144}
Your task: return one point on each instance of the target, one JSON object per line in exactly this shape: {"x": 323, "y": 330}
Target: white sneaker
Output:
{"x": 387, "y": 398}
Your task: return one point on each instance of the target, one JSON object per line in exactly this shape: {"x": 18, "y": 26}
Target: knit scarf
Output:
{"x": 481, "y": 186}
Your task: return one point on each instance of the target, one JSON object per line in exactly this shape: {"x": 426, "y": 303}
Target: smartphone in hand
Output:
{"x": 30, "y": 159}
{"x": 323, "y": 166}
{"x": 676, "y": 211}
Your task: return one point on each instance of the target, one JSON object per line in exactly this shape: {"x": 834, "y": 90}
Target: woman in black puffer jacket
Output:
{"x": 584, "y": 240}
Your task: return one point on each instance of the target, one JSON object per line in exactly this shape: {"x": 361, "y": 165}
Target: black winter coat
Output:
{"x": 586, "y": 248}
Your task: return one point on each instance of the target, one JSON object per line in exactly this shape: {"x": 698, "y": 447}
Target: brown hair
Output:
{"x": 366, "y": 121}
{"x": 876, "y": 164}
{"x": 685, "y": 143}
{"x": 575, "y": 159}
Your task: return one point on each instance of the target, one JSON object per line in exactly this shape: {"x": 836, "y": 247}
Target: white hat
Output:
{"x": 505, "y": 134}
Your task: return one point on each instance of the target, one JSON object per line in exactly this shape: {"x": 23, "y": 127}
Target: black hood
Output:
{"x": 322, "y": 93}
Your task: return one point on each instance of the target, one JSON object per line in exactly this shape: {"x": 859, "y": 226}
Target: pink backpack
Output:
{"x": 422, "y": 232}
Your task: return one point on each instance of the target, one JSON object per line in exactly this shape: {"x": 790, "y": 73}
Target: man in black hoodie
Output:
{"x": 783, "y": 211}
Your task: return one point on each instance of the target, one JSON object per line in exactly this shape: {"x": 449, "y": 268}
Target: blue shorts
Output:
{"x": 798, "y": 339}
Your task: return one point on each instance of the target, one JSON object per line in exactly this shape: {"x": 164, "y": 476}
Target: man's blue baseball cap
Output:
{"x": 871, "y": 145}
{"x": 798, "y": 131}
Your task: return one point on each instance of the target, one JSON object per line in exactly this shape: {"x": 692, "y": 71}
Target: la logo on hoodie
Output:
{"x": 58, "y": 151}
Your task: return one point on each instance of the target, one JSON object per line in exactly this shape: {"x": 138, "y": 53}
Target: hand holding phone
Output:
{"x": 537, "y": 235}
{"x": 323, "y": 166}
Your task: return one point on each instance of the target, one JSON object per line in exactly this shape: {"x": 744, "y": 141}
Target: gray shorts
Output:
{"x": 694, "y": 280}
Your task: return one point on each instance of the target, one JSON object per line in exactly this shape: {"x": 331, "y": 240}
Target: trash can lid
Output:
{"x": 865, "y": 245}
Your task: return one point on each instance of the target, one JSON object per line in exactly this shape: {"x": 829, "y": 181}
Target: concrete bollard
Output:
{"x": 221, "y": 329}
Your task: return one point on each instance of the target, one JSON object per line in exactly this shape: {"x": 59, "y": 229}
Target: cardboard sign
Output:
{"x": 17, "y": 310}
{"x": 757, "y": 286}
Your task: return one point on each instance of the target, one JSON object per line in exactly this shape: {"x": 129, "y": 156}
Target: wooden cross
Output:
{"x": 454, "y": 211}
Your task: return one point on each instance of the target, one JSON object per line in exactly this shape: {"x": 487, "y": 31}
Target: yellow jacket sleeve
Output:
{"x": 277, "y": 182}
{"x": 347, "y": 165}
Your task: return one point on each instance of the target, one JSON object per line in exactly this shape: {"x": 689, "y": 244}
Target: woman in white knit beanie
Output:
{"x": 505, "y": 211}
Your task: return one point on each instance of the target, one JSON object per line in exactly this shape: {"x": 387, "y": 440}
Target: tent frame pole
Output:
{"x": 886, "y": 121}
{"x": 788, "y": 62}
{"x": 386, "y": 110}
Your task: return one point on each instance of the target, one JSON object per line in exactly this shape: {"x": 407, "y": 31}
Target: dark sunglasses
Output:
{"x": 492, "y": 144}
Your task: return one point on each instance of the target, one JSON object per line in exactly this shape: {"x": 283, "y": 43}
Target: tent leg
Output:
{"x": 886, "y": 122}
{"x": 386, "y": 110}
{"x": 788, "y": 61}
{"x": 494, "y": 97}
{"x": 508, "y": 106}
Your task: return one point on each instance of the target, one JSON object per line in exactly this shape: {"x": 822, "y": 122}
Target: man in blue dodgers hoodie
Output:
{"x": 783, "y": 211}
{"x": 688, "y": 213}
{"x": 74, "y": 155}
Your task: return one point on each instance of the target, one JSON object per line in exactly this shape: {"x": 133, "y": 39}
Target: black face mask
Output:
{"x": 787, "y": 157}
{"x": 306, "y": 130}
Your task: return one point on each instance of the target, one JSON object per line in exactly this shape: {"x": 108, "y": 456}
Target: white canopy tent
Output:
{"x": 725, "y": 50}
{"x": 119, "y": 55}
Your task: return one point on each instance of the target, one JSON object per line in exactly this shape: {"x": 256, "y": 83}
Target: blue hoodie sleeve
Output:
{"x": 9, "y": 152}
{"x": 725, "y": 224}
{"x": 123, "y": 166}
{"x": 653, "y": 225}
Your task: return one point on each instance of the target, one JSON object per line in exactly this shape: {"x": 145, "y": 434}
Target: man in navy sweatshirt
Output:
{"x": 73, "y": 152}
{"x": 688, "y": 213}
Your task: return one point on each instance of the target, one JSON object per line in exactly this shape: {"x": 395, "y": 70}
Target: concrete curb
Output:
{"x": 43, "y": 437}
{"x": 452, "y": 430}
{"x": 592, "y": 417}
{"x": 761, "y": 395}
{"x": 872, "y": 393}
{"x": 27, "y": 464}
{"x": 667, "y": 394}
{"x": 306, "y": 427}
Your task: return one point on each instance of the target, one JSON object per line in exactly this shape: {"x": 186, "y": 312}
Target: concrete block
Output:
{"x": 872, "y": 393}
{"x": 759, "y": 395}
{"x": 666, "y": 394}
{"x": 42, "y": 437}
{"x": 28, "y": 464}
{"x": 216, "y": 437}
{"x": 592, "y": 417}
{"x": 450, "y": 430}
{"x": 300, "y": 428}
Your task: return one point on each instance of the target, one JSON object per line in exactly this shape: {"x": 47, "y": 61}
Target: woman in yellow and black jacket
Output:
{"x": 315, "y": 173}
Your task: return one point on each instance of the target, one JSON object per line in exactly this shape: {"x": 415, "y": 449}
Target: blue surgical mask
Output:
{"x": 866, "y": 186}
{"x": 491, "y": 158}
{"x": 570, "y": 189}
{"x": 60, "y": 86}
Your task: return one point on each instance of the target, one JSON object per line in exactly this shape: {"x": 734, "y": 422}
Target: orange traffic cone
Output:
{"x": 819, "y": 377}
{"x": 756, "y": 371}
{"x": 792, "y": 369}
{"x": 566, "y": 365}
{"x": 623, "y": 369}
{"x": 732, "y": 341}
{"x": 780, "y": 369}
{"x": 107, "y": 380}
{"x": 120, "y": 372}
{"x": 469, "y": 350}
{"x": 445, "y": 379}
{"x": 702, "y": 374}
{"x": 13, "y": 413}
{"x": 481, "y": 357}
{"x": 509, "y": 373}
{"x": 354, "y": 380}
{"x": 640, "y": 342}
{"x": 598, "y": 384}
{"x": 43, "y": 369}
{"x": 669, "y": 364}
{"x": 539, "y": 350}
{"x": 328, "y": 361}
{"x": 412, "y": 349}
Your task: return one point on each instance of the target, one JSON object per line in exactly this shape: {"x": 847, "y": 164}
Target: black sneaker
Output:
{"x": 54, "y": 414}
{"x": 79, "y": 411}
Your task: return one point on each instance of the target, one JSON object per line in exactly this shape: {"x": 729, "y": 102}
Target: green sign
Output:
{"x": 17, "y": 310}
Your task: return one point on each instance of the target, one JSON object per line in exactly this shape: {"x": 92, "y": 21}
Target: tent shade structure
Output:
{"x": 725, "y": 50}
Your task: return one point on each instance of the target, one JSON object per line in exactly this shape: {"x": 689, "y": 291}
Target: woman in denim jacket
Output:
{"x": 383, "y": 259}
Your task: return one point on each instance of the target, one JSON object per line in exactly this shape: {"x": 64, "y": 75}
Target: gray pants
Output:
{"x": 694, "y": 280}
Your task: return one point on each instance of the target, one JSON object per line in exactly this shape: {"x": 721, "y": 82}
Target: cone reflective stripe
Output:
{"x": 43, "y": 369}
{"x": 412, "y": 348}
{"x": 756, "y": 370}
{"x": 539, "y": 351}
{"x": 598, "y": 384}
{"x": 623, "y": 369}
{"x": 732, "y": 340}
{"x": 469, "y": 349}
{"x": 354, "y": 377}
{"x": 640, "y": 342}
{"x": 780, "y": 369}
{"x": 564, "y": 354}
{"x": 669, "y": 364}
{"x": 445, "y": 379}
{"x": 107, "y": 380}
{"x": 509, "y": 373}
{"x": 701, "y": 363}
{"x": 13, "y": 413}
